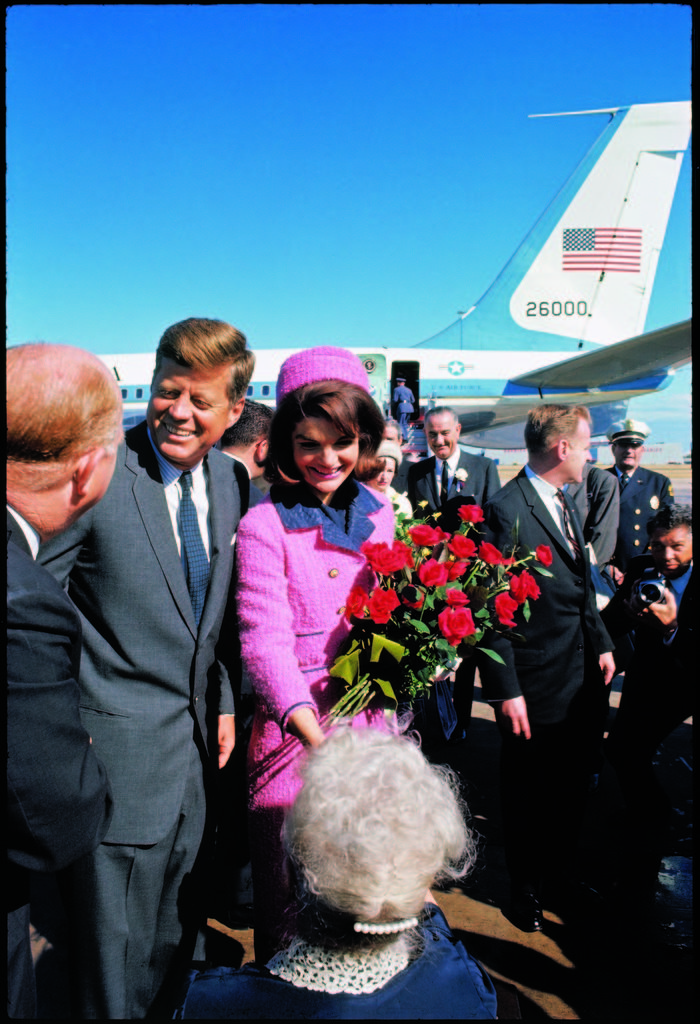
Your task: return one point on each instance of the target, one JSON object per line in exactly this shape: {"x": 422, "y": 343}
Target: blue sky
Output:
{"x": 314, "y": 174}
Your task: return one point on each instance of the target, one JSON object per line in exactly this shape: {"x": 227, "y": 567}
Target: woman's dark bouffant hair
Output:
{"x": 349, "y": 408}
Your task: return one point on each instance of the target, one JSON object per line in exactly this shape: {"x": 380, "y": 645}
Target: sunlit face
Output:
{"x": 189, "y": 410}
{"x": 672, "y": 551}
{"x": 442, "y": 434}
{"x": 578, "y": 453}
{"x": 627, "y": 454}
{"x": 391, "y": 433}
{"x": 324, "y": 456}
{"x": 382, "y": 481}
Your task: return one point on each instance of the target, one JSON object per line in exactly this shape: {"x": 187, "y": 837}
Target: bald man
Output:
{"x": 63, "y": 429}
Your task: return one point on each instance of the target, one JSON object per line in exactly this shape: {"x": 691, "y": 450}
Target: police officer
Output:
{"x": 642, "y": 492}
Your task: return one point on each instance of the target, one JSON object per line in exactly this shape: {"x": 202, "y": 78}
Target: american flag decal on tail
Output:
{"x": 609, "y": 249}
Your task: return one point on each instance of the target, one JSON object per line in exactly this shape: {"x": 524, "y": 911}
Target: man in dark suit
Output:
{"x": 403, "y": 402}
{"x": 659, "y": 688}
{"x": 449, "y": 472}
{"x": 150, "y": 572}
{"x": 63, "y": 429}
{"x": 642, "y": 491}
{"x": 247, "y": 442}
{"x": 550, "y": 692}
{"x": 441, "y": 483}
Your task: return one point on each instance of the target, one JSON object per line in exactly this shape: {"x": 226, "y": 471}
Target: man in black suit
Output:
{"x": 659, "y": 688}
{"x": 449, "y": 472}
{"x": 63, "y": 428}
{"x": 550, "y": 693}
{"x": 642, "y": 491}
{"x": 441, "y": 483}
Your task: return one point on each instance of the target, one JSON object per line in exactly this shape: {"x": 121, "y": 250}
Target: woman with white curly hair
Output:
{"x": 373, "y": 827}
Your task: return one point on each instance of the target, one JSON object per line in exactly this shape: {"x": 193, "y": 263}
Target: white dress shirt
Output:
{"x": 548, "y": 494}
{"x": 452, "y": 464}
{"x": 32, "y": 537}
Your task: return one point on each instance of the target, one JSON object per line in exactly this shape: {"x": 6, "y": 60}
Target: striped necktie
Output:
{"x": 196, "y": 561}
{"x": 568, "y": 527}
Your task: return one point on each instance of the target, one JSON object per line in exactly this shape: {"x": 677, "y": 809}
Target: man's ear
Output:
{"x": 84, "y": 470}
{"x": 235, "y": 411}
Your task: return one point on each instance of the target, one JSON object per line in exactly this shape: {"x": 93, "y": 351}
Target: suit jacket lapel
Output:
{"x": 543, "y": 517}
{"x": 149, "y": 496}
{"x": 224, "y": 514}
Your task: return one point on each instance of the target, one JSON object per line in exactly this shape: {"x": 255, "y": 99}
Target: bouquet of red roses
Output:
{"x": 439, "y": 595}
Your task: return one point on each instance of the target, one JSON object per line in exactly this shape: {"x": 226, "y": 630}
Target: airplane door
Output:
{"x": 375, "y": 365}
{"x": 410, "y": 370}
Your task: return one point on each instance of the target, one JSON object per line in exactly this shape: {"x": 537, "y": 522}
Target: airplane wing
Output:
{"x": 643, "y": 356}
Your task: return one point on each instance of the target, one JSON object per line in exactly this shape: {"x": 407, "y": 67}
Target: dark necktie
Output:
{"x": 196, "y": 561}
{"x": 624, "y": 480}
{"x": 444, "y": 484}
{"x": 568, "y": 527}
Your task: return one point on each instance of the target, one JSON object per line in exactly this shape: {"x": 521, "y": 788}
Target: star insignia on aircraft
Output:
{"x": 455, "y": 368}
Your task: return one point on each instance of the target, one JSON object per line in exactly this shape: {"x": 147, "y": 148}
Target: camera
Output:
{"x": 650, "y": 587}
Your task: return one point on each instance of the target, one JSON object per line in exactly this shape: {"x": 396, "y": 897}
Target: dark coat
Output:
{"x": 565, "y": 632}
{"x": 645, "y": 492}
{"x": 597, "y": 501}
{"x": 58, "y": 796}
{"x": 482, "y": 482}
{"x": 147, "y": 672}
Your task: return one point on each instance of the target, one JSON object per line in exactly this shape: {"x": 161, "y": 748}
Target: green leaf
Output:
{"x": 420, "y": 627}
{"x": 527, "y": 611}
{"x": 541, "y": 570}
{"x": 492, "y": 654}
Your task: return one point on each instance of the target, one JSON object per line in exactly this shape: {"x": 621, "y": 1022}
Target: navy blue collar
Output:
{"x": 347, "y": 526}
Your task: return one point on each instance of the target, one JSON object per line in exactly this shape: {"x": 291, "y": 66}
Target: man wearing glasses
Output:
{"x": 642, "y": 492}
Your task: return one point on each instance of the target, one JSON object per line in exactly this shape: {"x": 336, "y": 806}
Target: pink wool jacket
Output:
{"x": 293, "y": 581}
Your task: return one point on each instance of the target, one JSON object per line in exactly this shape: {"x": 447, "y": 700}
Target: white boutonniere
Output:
{"x": 461, "y": 478}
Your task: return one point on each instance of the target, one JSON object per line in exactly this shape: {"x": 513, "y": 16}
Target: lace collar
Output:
{"x": 346, "y": 527}
{"x": 354, "y": 973}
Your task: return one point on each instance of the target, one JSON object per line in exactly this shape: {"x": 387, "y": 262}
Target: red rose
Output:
{"x": 433, "y": 574}
{"x": 381, "y": 604}
{"x": 413, "y": 597}
{"x": 456, "y": 569}
{"x": 356, "y": 602}
{"x": 455, "y": 624}
{"x": 543, "y": 554}
{"x": 490, "y": 553}
{"x": 461, "y": 546}
{"x": 425, "y": 536}
{"x": 386, "y": 560}
{"x": 505, "y": 606}
{"x": 456, "y": 598}
{"x": 471, "y": 514}
{"x": 524, "y": 586}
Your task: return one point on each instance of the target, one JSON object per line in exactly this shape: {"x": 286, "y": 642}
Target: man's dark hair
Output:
{"x": 253, "y": 424}
{"x": 669, "y": 517}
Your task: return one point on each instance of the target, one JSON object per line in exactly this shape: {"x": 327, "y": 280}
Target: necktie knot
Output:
{"x": 568, "y": 526}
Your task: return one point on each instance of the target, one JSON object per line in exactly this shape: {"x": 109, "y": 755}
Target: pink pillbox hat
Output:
{"x": 316, "y": 364}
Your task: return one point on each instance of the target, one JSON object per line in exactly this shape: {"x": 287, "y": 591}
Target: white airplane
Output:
{"x": 564, "y": 319}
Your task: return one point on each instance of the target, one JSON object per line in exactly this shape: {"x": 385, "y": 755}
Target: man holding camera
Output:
{"x": 657, "y": 600}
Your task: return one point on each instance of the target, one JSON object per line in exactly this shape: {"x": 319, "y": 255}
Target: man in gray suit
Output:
{"x": 149, "y": 570}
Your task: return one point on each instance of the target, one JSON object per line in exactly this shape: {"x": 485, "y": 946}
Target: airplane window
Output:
{"x": 125, "y": 393}
{"x": 265, "y": 390}
{"x": 139, "y": 392}
{"x": 249, "y": 392}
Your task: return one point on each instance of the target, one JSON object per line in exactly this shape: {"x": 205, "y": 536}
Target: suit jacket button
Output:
{"x": 636, "y": 526}
{"x": 636, "y": 543}
{"x": 333, "y": 573}
{"x": 638, "y": 511}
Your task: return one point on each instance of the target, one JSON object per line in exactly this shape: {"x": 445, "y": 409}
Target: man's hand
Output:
{"x": 514, "y": 712}
{"x": 661, "y": 616}
{"x": 607, "y": 667}
{"x": 227, "y": 737}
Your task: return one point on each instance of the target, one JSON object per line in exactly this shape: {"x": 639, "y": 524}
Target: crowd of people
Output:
{"x": 155, "y": 576}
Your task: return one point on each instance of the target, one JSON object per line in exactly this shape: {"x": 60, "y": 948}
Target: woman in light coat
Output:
{"x": 298, "y": 555}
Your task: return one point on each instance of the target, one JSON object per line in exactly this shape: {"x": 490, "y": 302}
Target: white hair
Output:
{"x": 374, "y": 826}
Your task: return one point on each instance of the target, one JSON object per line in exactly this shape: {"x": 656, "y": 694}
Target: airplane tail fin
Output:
{"x": 584, "y": 274}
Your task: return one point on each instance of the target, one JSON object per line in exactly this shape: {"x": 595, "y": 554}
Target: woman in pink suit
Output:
{"x": 298, "y": 555}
